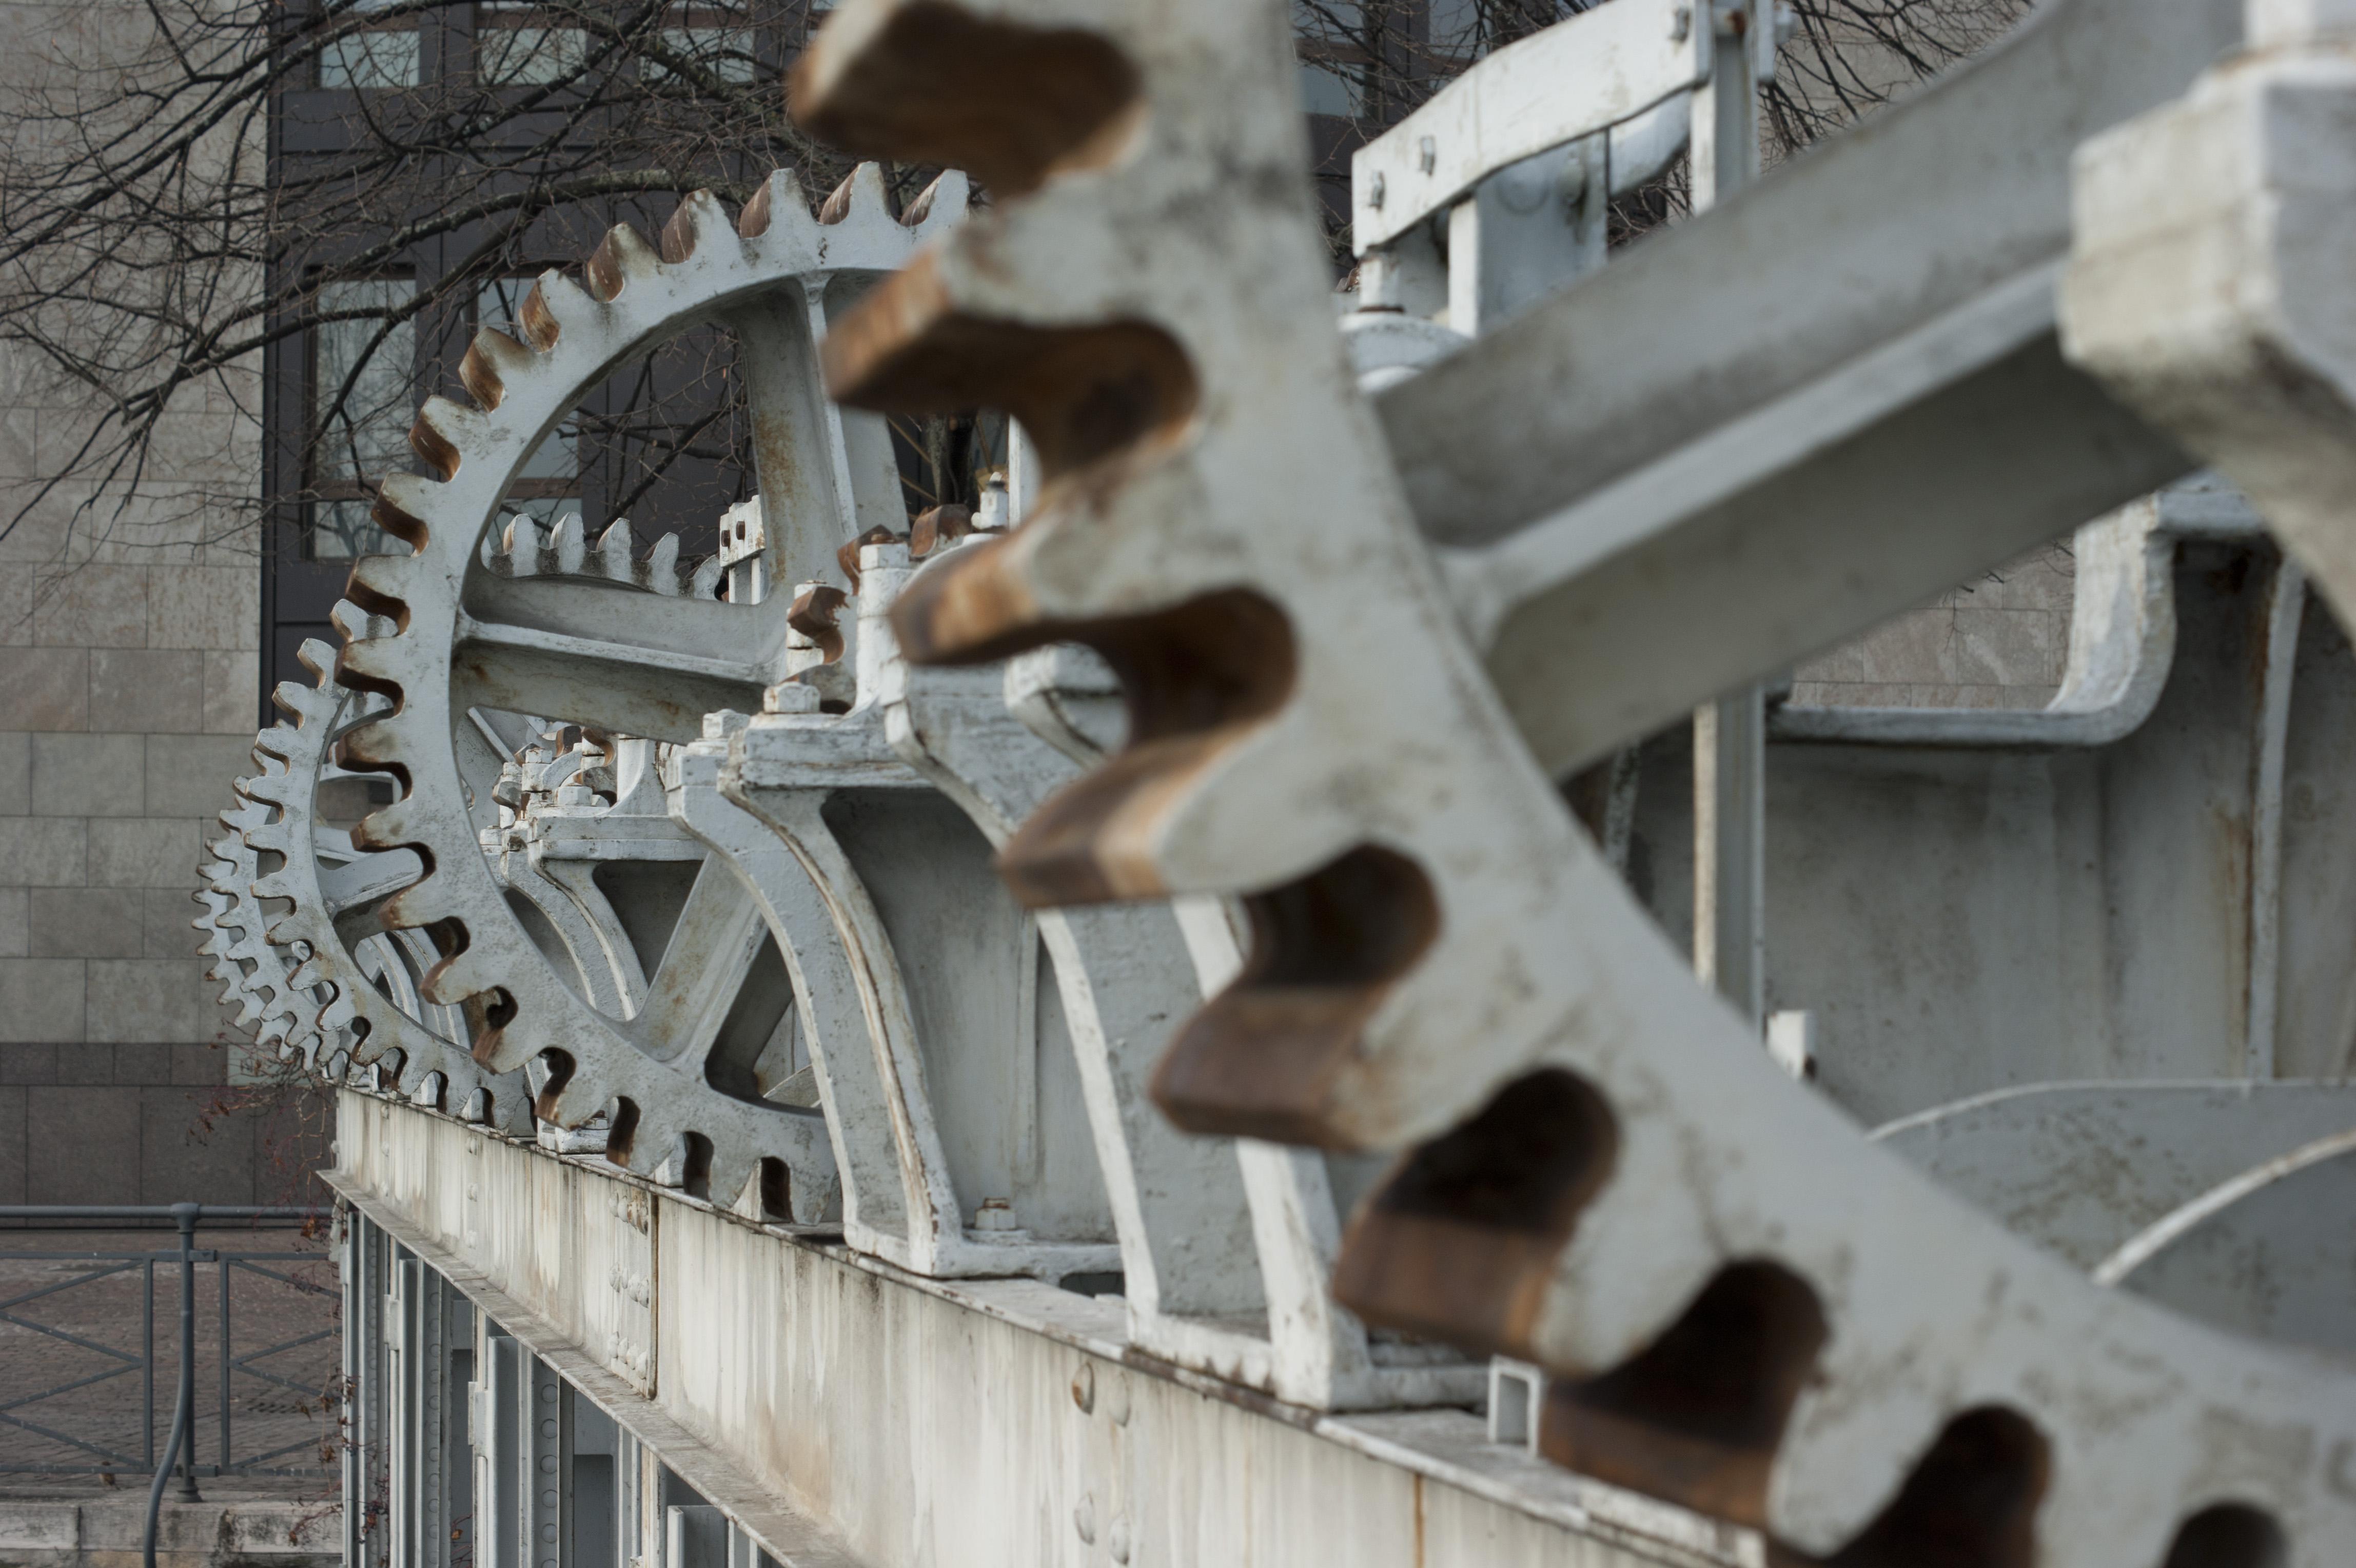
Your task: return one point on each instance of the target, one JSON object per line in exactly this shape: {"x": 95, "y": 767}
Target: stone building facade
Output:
{"x": 129, "y": 697}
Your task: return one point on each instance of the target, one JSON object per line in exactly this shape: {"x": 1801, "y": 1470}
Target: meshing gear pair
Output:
{"x": 1745, "y": 1307}
{"x": 362, "y": 980}
{"x": 546, "y": 625}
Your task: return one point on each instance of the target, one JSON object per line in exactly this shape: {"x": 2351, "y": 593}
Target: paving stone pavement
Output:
{"x": 83, "y": 1383}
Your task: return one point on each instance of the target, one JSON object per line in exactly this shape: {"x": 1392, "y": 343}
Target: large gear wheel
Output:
{"x": 1745, "y": 1309}
{"x": 328, "y": 931}
{"x": 555, "y": 631}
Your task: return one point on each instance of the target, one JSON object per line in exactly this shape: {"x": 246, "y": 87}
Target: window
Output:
{"x": 716, "y": 37}
{"x": 1457, "y": 37}
{"x": 363, "y": 376}
{"x": 548, "y": 486}
{"x": 363, "y": 55}
{"x": 525, "y": 46}
{"x": 1325, "y": 35}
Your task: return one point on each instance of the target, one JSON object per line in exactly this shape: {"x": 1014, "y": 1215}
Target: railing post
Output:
{"x": 186, "y": 1215}
{"x": 148, "y": 1373}
{"x": 228, "y": 1459}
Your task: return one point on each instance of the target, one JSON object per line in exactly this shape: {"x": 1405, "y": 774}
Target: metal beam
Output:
{"x": 1811, "y": 344}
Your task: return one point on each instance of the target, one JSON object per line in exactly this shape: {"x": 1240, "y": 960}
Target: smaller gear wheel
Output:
{"x": 258, "y": 976}
{"x": 357, "y": 972}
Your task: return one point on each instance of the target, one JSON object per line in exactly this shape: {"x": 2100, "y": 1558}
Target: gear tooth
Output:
{"x": 492, "y": 359}
{"x": 698, "y": 227}
{"x": 318, "y": 656}
{"x": 441, "y": 429}
{"x": 274, "y": 742}
{"x": 584, "y": 1094}
{"x": 413, "y": 493}
{"x": 404, "y": 503}
{"x": 384, "y": 578}
{"x": 374, "y": 745}
{"x": 731, "y": 1171}
{"x": 654, "y": 1138}
{"x": 567, "y": 542}
{"x": 622, "y": 255}
{"x": 939, "y": 205}
{"x": 379, "y": 659}
{"x": 287, "y": 698}
{"x": 317, "y": 704}
{"x": 705, "y": 584}
{"x": 520, "y": 547}
{"x": 860, "y": 197}
{"x": 554, "y": 300}
{"x": 392, "y": 826}
{"x": 455, "y": 978}
{"x": 614, "y": 547}
{"x": 779, "y": 214}
{"x": 662, "y": 565}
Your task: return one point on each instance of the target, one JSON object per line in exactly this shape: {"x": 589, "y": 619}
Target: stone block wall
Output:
{"x": 1999, "y": 641}
{"x": 130, "y": 624}
{"x": 128, "y": 702}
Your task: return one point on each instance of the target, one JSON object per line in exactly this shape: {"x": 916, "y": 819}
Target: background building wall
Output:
{"x": 1997, "y": 642}
{"x": 129, "y": 698}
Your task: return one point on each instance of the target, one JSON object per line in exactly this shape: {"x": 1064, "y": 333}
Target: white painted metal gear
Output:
{"x": 358, "y": 970}
{"x": 476, "y": 629}
{"x": 1745, "y": 1307}
{"x": 260, "y": 977}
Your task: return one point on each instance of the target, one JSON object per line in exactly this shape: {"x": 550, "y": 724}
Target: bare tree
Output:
{"x": 317, "y": 201}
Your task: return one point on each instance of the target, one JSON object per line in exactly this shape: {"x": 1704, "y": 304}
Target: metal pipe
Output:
{"x": 183, "y": 1414}
{"x": 150, "y": 1211}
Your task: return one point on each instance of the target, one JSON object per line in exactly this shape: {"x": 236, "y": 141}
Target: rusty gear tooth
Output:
{"x": 939, "y": 204}
{"x": 489, "y": 360}
{"x": 542, "y": 319}
{"x": 1260, "y": 1058}
{"x": 1697, "y": 1415}
{"x": 846, "y": 557}
{"x": 677, "y": 237}
{"x": 969, "y": 609}
{"x": 697, "y": 224}
{"x": 622, "y": 255}
{"x": 754, "y": 220}
{"x": 928, "y": 82}
{"x": 837, "y": 206}
{"x": 436, "y": 434}
{"x": 813, "y": 614}
{"x": 936, "y": 525}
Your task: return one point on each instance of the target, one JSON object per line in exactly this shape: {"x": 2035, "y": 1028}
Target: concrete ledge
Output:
{"x": 111, "y": 1534}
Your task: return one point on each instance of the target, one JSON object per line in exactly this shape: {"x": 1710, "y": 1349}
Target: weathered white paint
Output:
{"x": 842, "y": 1410}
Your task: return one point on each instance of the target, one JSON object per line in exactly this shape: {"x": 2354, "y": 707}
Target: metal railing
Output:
{"x": 140, "y": 1362}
